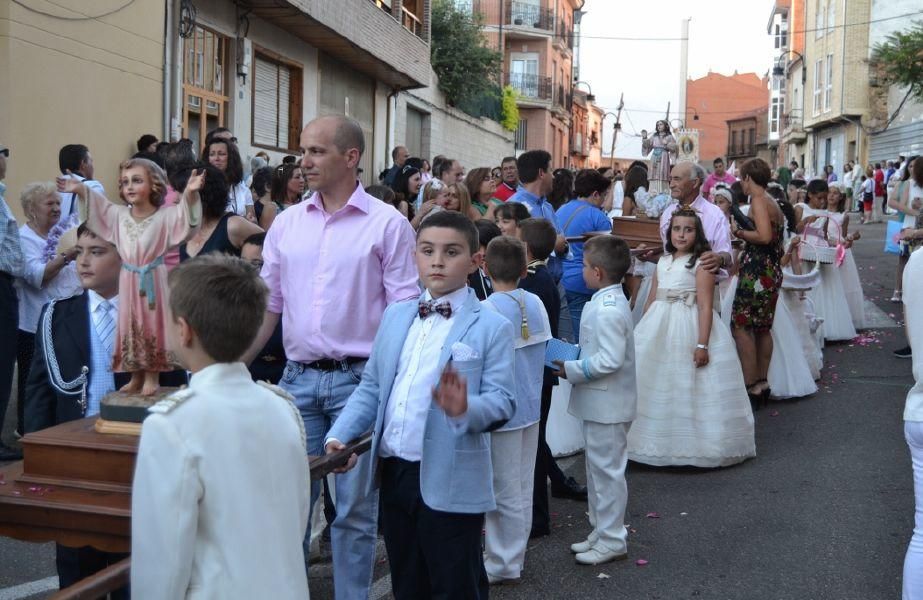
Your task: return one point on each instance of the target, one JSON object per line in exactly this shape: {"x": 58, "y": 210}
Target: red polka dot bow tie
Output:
{"x": 429, "y": 307}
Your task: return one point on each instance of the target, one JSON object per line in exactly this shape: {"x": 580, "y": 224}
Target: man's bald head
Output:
{"x": 346, "y": 133}
{"x": 686, "y": 178}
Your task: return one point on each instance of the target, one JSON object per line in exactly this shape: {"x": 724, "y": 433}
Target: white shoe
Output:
{"x": 599, "y": 555}
{"x": 584, "y": 546}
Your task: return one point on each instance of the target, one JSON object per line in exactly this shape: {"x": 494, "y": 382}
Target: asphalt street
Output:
{"x": 824, "y": 511}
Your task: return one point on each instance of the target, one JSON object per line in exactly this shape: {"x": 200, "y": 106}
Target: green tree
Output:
{"x": 466, "y": 67}
{"x": 899, "y": 60}
{"x": 510, "y": 110}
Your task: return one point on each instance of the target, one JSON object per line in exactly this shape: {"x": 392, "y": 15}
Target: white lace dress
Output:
{"x": 687, "y": 416}
{"x": 830, "y": 296}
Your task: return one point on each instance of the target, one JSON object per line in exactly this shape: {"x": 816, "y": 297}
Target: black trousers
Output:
{"x": 9, "y": 326}
{"x": 24, "y": 352}
{"x": 432, "y": 554}
{"x": 545, "y": 467}
{"x": 74, "y": 564}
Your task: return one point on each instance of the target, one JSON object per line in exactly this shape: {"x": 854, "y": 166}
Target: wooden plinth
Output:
{"x": 73, "y": 487}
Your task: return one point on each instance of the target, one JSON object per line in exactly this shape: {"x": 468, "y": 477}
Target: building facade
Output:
{"x": 595, "y": 128}
{"x": 537, "y": 40}
{"x": 836, "y": 98}
{"x": 716, "y": 98}
{"x": 748, "y": 137}
{"x": 262, "y": 68}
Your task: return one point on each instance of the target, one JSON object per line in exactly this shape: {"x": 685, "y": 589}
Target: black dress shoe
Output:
{"x": 9, "y": 454}
{"x": 571, "y": 490}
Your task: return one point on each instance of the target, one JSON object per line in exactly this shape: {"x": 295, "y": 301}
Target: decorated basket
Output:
{"x": 825, "y": 255}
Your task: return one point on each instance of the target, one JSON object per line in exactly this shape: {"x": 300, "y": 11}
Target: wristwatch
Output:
{"x": 701, "y": 346}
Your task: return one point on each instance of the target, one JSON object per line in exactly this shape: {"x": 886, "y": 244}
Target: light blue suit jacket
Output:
{"x": 455, "y": 472}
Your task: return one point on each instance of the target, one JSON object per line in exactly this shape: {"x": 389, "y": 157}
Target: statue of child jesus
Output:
{"x": 143, "y": 231}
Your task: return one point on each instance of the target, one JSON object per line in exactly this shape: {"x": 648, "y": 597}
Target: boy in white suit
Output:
{"x": 604, "y": 396}
{"x": 220, "y": 494}
{"x": 439, "y": 378}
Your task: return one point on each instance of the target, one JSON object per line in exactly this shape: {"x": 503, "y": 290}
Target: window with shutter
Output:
{"x": 277, "y": 110}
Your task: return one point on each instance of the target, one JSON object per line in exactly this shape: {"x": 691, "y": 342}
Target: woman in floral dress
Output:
{"x": 760, "y": 277}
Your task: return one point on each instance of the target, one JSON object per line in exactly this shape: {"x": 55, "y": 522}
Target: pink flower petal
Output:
{"x": 653, "y": 515}
{"x": 640, "y": 562}
{"x": 774, "y": 413}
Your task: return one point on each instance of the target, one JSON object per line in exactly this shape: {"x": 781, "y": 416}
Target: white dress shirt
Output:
{"x": 417, "y": 373}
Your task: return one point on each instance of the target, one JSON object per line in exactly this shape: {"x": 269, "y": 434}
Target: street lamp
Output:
{"x": 589, "y": 95}
{"x": 695, "y": 113}
{"x": 616, "y": 127}
{"x": 779, "y": 69}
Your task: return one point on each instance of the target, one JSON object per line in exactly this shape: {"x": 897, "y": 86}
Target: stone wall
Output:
{"x": 475, "y": 142}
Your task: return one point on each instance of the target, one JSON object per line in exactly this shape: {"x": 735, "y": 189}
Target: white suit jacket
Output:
{"x": 604, "y": 376}
{"x": 220, "y": 495}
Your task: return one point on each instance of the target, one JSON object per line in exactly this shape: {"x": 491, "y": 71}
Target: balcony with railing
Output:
{"x": 525, "y": 18}
{"x": 564, "y": 36}
{"x": 531, "y": 88}
{"x": 563, "y": 98}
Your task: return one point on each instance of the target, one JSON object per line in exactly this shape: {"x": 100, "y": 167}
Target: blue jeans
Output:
{"x": 575, "y": 303}
{"x": 321, "y": 396}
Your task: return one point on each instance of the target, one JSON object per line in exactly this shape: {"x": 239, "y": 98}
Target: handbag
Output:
{"x": 892, "y": 237}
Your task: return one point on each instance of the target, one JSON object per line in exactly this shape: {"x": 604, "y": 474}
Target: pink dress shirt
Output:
{"x": 712, "y": 179}
{"x": 331, "y": 276}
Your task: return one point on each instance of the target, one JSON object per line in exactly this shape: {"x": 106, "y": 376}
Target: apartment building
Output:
{"x": 178, "y": 69}
{"x": 537, "y": 40}
{"x": 786, "y": 28}
{"x": 836, "y": 100}
{"x": 748, "y": 137}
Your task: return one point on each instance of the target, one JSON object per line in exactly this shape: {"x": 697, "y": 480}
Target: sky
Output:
{"x": 647, "y": 72}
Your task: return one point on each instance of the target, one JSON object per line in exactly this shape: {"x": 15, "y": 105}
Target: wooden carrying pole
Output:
{"x": 615, "y": 130}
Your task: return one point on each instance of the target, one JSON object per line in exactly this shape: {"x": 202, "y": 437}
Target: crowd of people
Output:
{"x": 439, "y": 308}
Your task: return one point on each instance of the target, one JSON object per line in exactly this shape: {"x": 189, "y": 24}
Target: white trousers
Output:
{"x": 913, "y": 561}
{"x": 507, "y": 528}
{"x": 606, "y": 459}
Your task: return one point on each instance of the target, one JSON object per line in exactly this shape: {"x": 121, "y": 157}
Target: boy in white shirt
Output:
{"x": 220, "y": 494}
{"x": 604, "y": 396}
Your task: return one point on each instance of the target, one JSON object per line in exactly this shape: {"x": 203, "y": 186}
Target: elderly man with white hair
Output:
{"x": 686, "y": 179}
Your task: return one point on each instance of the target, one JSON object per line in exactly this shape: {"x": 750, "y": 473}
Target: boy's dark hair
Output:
{"x": 609, "y": 253}
{"x": 255, "y": 239}
{"x": 450, "y": 219}
{"x": 507, "y": 159}
{"x": 223, "y": 299}
{"x": 146, "y": 140}
{"x": 701, "y": 245}
{"x": 487, "y": 230}
{"x": 530, "y": 163}
{"x": 512, "y": 210}
{"x": 289, "y": 159}
{"x": 717, "y": 160}
{"x": 382, "y": 192}
{"x": 155, "y": 158}
{"x": 83, "y": 230}
{"x": 262, "y": 181}
{"x": 70, "y": 157}
{"x": 589, "y": 181}
{"x": 506, "y": 259}
{"x": 539, "y": 236}
{"x": 817, "y": 186}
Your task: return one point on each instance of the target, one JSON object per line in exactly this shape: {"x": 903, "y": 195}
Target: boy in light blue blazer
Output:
{"x": 604, "y": 397}
{"x": 439, "y": 378}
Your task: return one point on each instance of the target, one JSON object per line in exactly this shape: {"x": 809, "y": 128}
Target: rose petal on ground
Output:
{"x": 602, "y": 576}
{"x": 652, "y": 515}
{"x": 774, "y": 413}
{"x": 640, "y": 562}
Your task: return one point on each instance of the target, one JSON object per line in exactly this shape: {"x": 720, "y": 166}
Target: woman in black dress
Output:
{"x": 221, "y": 230}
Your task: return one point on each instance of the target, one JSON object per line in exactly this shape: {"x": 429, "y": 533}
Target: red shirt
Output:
{"x": 879, "y": 182}
{"x": 504, "y": 191}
